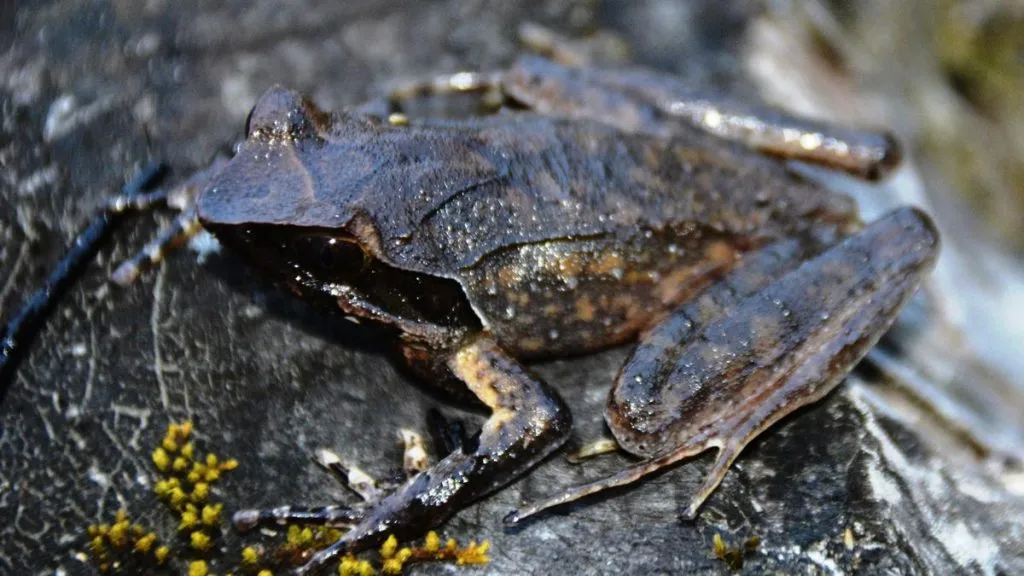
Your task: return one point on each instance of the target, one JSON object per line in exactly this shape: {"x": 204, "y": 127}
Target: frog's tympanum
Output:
{"x": 600, "y": 207}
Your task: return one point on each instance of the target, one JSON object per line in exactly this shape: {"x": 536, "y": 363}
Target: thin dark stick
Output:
{"x": 21, "y": 330}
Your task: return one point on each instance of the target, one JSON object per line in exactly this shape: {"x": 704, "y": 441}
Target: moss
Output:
{"x": 733, "y": 556}
{"x": 130, "y": 548}
{"x": 185, "y": 487}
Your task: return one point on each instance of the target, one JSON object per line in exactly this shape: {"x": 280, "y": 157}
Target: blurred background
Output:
{"x": 918, "y": 457}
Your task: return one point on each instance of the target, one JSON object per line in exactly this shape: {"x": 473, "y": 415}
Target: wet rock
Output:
{"x": 840, "y": 487}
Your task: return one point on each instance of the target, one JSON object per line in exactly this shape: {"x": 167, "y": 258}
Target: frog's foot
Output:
{"x": 627, "y": 476}
{"x": 727, "y": 453}
{"x": 352, "y": 477}
{"x": 528, "y": 421}
{"x": 184, "y": 227}
{"x": 368, "y": 488}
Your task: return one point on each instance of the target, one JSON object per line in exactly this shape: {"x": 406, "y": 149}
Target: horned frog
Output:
{"x": 602, "y": 206}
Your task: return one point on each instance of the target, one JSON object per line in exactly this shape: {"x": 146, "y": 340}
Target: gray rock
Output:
{"x": 94, "y": 89}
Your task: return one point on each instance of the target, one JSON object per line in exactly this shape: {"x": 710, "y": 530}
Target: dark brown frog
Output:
{"x": 607, "y": 206}
{"x": 487, "y": 241}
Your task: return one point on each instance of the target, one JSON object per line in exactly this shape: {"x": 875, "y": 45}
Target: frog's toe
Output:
{"x": 623, "y": 478}
{"x": 350, "y": 476}
{"x": 333, "y": 516}
{"x": 528, "y": 421}
{"x": 368, "y": 488}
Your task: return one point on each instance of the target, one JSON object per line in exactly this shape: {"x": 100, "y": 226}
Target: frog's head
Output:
{"x": 288, "y": 203}
{"x": 264, "y": 202}
{"x": 270, "y": 181}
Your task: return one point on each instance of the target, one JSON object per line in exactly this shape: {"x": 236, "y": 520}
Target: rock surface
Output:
{"x": 95, "y": 89}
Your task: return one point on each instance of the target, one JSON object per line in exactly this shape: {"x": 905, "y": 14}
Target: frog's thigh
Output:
{"x": 640, "y": 406}
{"x": 788, "y": 344}
{"x": 635, "y": 405}
{"x": 762, "y": 356}
{"x": 528, "y": 421}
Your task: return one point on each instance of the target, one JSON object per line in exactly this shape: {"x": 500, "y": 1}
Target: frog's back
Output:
{"x": 550, "y": 179}
{"x": 552, "y": 227}
{"x": 582, "y": 236}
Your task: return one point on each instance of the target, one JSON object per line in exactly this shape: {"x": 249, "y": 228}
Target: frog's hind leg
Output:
{"x": 636, "y": 387}
{"x": 768, "y": 340}
{"x": 623, "y": 478}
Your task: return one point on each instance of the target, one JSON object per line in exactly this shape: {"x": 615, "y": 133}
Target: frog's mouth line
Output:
{"x": 325, "y": 265}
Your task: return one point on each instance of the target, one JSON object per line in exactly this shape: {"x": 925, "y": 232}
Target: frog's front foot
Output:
{"x": 369, "y": 489}
{"x": 528, "y": 421}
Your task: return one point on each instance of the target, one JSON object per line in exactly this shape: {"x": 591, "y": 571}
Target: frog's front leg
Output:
{"x": 772, "y": 338}
{"x": 528, "y": 421}
{"x": 641, "y": 100}
{"x": 866, "y": 154}
{"x": 184, "y": 227}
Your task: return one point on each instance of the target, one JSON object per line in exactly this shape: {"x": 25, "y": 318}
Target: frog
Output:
{"x": 487, "y": 242}
{"x": 597, "y": 207}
